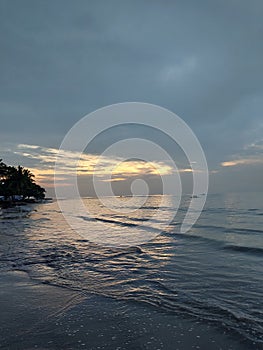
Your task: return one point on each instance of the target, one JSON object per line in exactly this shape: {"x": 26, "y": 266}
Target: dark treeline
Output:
{"x": 18, "y": 183}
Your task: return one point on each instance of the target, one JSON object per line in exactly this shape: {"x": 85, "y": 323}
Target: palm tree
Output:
{"x": 18, "y": 181}
{"x": 3, "y": 169}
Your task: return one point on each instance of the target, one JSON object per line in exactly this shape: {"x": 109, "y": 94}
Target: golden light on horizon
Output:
{"x": 108, "y": 169}
{"x": 85, "y": 166}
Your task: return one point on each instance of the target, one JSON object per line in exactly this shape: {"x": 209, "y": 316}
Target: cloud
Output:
{"x": 103, "y": 167}
{"x": 178, "y": 72}
{"x": 61, "y": 60}
{"x": 23, "y": 146}
{"x": 244, "y": 161}
{"x": 251, "y": 154}
{"x": 114, "y": 169}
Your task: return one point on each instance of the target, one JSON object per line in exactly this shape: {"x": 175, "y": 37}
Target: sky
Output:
{"x": 61, "y": 60}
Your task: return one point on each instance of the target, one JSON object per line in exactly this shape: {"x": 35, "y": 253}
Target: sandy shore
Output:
{"x": 38, "y": 316}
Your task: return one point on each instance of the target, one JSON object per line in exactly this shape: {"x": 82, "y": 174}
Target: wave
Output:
{"x": 156, "y": 294}
{"x": 225, "y": 229}
{"x": 122, "y": 223}
{"x": 242, "y": 249}
{"x": 217, "y": 240}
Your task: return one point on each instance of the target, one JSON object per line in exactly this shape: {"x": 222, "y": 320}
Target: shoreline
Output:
{"x": 6, "y": 204}
{"x": 43, "y": 316}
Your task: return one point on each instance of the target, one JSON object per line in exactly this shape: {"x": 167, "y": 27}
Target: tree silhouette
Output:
{"x": 3, "y": 169}
{"x": 18, "y": 181}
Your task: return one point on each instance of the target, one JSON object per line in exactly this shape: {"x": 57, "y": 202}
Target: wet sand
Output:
{"x": 39, "y": 316}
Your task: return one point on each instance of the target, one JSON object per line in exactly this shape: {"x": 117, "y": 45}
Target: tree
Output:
{"x": 3, "y": 169}
{"x": 18, "y": 182}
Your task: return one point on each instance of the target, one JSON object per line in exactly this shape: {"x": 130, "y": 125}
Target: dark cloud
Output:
{"x": 203, "y": 60}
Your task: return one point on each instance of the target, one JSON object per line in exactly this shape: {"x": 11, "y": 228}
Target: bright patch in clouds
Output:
{"x": 108, "y": 168}
{"x": 252, "y": 154}
{"x": 245, "y": 161}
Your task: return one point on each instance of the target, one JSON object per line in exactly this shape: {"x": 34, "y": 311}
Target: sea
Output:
{"x": 213, "y": 272}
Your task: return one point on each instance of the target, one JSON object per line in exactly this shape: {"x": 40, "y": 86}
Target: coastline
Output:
{"x": 6, "y": 204}
{"x": 40, "y": 316}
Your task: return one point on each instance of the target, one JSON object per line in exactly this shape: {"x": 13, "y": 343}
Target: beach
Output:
{"x": 39, "y": 316}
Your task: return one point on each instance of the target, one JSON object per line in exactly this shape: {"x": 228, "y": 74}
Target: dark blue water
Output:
{"x": 213, "y": 272}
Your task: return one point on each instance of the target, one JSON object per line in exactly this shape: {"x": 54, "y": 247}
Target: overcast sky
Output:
{"x": 60, "y": 60}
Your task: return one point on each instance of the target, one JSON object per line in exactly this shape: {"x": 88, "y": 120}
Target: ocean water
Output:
{"x": 212, "y": 273}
